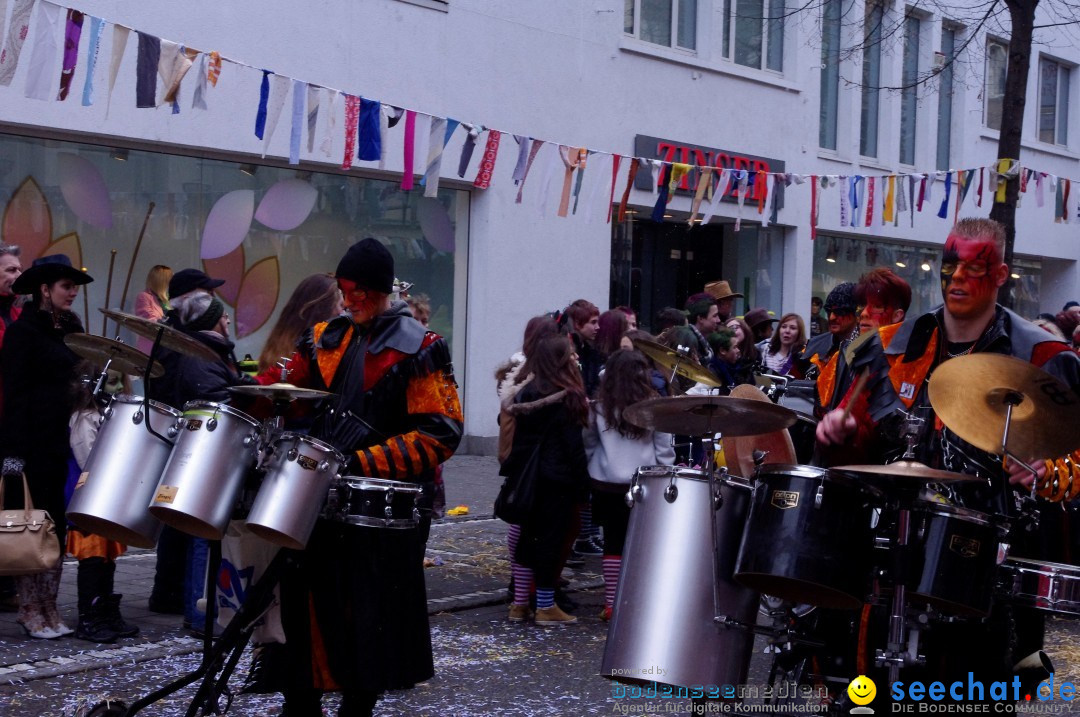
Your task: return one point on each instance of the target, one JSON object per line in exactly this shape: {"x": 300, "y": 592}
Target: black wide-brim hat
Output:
{"x": 46, "y": 270}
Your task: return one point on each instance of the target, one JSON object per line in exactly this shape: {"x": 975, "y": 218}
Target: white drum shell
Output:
{"x": 291, "y": 497}
{"x": 199, "y": 487}
{"x": 664, "y": 607}
{"x": 122, "y": 473}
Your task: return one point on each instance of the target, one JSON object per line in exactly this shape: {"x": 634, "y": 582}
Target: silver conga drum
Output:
{"x": 122, "y": 473}
{"x": 298, "y": 476}
{"x": 664, "y": 625}
{"x": 200, "y": 484}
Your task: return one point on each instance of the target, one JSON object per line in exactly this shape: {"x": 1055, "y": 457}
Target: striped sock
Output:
{"x": 544, "y": 598}
{"x": 512, "y": 537}
{"x": 612, "y": 563}
{"x": 523, "y": 580}
{"x": 588, "y": 528}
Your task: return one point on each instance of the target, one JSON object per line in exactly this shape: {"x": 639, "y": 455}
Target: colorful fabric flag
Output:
{"x": 437, "y": 138}
{"x": 871, "y": 184}
{"x": 264, "y": 98}
{"x": 16, "y": 36}
{"x": 213, "y": 72}
{"x": 182, "y": 61}
{"x": 1059, "y": 204}
{"x": 471, "y": 133}
{"x": 389, "y": 118}
{"x": 198, "y": 98}
{"x": 1003, "y": 166}
{"x": 583, "y": 155}
{"x": 314, "y": 96}
{"x": 662, "y": 195}
{"x": 299, "y": 95}
{"x": 409, "y": 149}
{"x": 723, "y": 180}
{"x": 326, "y": 145}
{"x": 487, "y": 161}
{"x": 703, "y": 181}
{"x": 616, "y": 160}
{"x": 943, "y": 210}
{"x": 890, "y": 200}
{"x": 39, "y": 76}
{"x": 1040, "y": 196}
{"x": 72, "y": 33}
{"x": 352, "y": 119}
{"x": 980, "y": 190}
{"x": 631, "y": 175}
{"x": 96, "y": 26}
{"x": 524, "y": 144}
{"x": 536, "y": 145}
{"x": 743, "y": 177}
{"x": 370, "y": 135}
{"x": 146, "y": 70}
{"x": 279, "y": 89}
{"x": 168, "y": 53}
{"x": 3, "y": 16}
{"x": 813, "y": 206}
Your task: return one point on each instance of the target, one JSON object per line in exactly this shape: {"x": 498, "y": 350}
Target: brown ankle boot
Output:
{"x": 553, "y": 616}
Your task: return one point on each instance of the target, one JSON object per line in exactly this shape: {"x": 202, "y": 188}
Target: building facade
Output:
{"x": 739, "y": 85}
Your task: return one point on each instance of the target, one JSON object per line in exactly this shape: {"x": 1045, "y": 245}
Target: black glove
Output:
{"x": 13, "y": 466}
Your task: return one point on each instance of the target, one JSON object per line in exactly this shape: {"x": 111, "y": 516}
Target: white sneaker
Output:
{"x": 61, "y": 629}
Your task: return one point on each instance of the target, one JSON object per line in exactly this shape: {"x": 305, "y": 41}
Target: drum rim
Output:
{"x": 215, "y": 407}
{"x": 695, "y": 474}
{"x": 314, "y": 442}
{"x": 384, "y": 483}
{"x": 958, "y": 511}
{"x": 1048, "y": 567}
{"x": 133, "y": 400}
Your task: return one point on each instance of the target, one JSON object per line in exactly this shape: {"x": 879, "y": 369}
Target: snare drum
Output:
{"x": 122, "y": 473}
{"x": 201, "y": 483}
{"x": 373, "y": 503}
{"x": 298, "y": 476}
{"x": 808, "y": 538}
{"x": 956, "y": 557}
{"x": 673, "y": 582}
{"x": 1052, "y": 587}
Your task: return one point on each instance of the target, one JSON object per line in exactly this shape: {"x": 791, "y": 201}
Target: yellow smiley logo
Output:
{"x": 862, "y": 690}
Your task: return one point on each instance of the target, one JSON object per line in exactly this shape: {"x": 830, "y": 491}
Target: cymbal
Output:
{"x": 171, "y": 339}
{"x": 281, "y": 392}
{"x": 702, "y": 415}
{"x": 971, "y": 393}
{"x": 100, "y": 350}
{"x": 672, "y": 360}
{"x": 739, "y": 450}
{"x": 906, "y": 470}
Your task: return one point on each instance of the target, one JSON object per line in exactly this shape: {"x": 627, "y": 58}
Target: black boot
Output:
{"x": 94, "y": 623}
{"x": 116, "y": 621}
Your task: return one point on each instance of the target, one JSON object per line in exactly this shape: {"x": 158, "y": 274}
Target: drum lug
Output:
{"x": 416, "y": 514}
{"x": 137, "y": 417}
{"x": 173, "y": 430}
{"x": 718, "y": 500}
{"x": 388, "y": 513}
{"x": 107, "y": 413}
{"x": 671, "y": 493}
{"x": 211, "y": 424}
{"x": 292, "y": 454}
{"x": 324, "y": 466}
{"x": 818, "y": 496}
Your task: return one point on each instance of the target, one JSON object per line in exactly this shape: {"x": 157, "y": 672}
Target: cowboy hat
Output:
{"x": 46, "y": 270}
{"x": 720, "y": 290}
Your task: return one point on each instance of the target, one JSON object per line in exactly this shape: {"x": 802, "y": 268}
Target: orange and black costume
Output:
{"x": 355, "y": 607}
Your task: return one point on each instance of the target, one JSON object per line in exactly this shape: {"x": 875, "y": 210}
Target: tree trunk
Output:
{"x": 1022, "y": 17}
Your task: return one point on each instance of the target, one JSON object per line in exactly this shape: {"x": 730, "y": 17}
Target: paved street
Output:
{"x": 484, "y": 665}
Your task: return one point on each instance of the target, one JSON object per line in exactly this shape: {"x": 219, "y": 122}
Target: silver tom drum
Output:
{"x": 1052, "y": 587}
{"x": 298, "y": 476}
{"x": 374, "y": 503}
{"x": 200, "y": 484}
{"x": 122, "y": 473}
{"x": 665, "y": 625}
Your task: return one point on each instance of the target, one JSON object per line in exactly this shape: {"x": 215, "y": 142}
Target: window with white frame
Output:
{"x": 909, "y": 94}
{"x": 871, "y": 79}
{"x": 945, "y": 96}
{"x": 672, "y": 23}
{"x": 755, "y": 28}
{"x": 997, "y": 61}
{"x": 1054, "y": 79}
{"x": 831, "y": 14}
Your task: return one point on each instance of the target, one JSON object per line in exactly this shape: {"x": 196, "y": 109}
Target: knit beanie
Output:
{"x": 369, "y": 264}
{"x": 842, "y": 298}
{"x": 209, "y": 318}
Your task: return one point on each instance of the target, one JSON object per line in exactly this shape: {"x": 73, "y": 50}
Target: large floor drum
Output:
{"x": 199, "y": 487}
{"x": 122, "y": 473}
{"x": 808, "y": 538}
{"x": 663, "y": 625}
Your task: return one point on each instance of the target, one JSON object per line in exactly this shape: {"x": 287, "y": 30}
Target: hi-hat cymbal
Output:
{"x": 703, "y": 415}
{"x": 281, "y": 392}
{"x": 906, "y": 471}
{"x": 672, "y": 360}
{"x": 971, "y": 395}
{"x": 170, "y": 338}
{"x": 100, "y": 350}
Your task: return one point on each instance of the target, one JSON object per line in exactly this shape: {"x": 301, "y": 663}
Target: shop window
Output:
{"x": 832, "y": 11}
{"x": 78, "y": 199}
{"x": 756, "y": 29}
{"x": 997, "y": 61}
{"x": 1054, "y": 80}
{"x": 671, "y": 23}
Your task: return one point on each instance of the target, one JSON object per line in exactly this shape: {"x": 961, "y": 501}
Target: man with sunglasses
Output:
{"x": 969, "y": 321}
{"x": 354, "y": 608}
{"x": 841, "y": 310}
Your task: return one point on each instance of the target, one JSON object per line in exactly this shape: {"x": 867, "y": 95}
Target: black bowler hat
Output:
{"x": 369, "y": 264}
{"x": 187, "y": 280}
{"x": 46, "y": 270}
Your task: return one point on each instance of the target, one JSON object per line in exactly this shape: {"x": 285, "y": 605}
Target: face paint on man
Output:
{"x": 970, "y": 275}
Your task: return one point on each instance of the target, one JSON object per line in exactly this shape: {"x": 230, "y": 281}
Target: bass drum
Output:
{"x": 673, "y": 582}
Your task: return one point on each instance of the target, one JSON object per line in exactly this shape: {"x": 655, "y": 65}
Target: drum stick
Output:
{"x": 135, "y": 255}
{"x": 108, "y": 293}
{"x": 860, "y": 384}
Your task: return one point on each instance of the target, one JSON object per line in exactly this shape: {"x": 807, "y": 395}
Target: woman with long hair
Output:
{"x": 613, "y": 324}
{"x": 615, "y": 448}
{"x": 153, "y": 302}
{"x": 749, "y": 356}
{"x": 38, "y": 368}
{"x": 779, "y": 353}
{"x": 316, "y": 298}
{"x": 549, "y": 413}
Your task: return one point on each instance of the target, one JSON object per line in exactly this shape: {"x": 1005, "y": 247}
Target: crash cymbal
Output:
{"x": 704, "y": 415}
{"x": 906, "y": 471}
{"x": 100, "y": 350}
{"x": 671, "y": 360}
{"x": 171, "y": 339}
{"x": 281, "y": 392}
{"x": 970, "y": 395}
{"x": 739, "y": 450}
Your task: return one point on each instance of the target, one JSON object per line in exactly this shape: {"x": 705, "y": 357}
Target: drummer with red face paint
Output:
{"x": 970, "y": 321}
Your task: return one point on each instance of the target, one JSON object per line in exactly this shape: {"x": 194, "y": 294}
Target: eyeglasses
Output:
{"x": 974, "y": 269}
{"x": 840, "y": 313}
{"x": 873, "y": 310}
